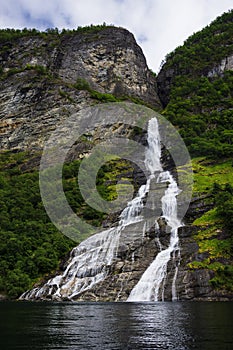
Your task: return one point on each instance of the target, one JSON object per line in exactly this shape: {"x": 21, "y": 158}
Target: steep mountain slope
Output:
{"x": 45, "y": 77}
{"x": 196, "y": 88}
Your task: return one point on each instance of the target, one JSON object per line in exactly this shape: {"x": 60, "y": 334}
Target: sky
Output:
{"x": 159, "y": 26}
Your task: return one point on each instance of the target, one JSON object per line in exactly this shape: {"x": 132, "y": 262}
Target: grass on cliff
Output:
{"x": 207, "y": 172}
{"x": 83, "y": 84}
{"x": 215, "y": 227}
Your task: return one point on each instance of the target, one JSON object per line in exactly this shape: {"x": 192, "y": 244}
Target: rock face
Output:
{"x": 111, "y": 62}
{"x": 226, "y": 64}
{"x": 44, "y": 81}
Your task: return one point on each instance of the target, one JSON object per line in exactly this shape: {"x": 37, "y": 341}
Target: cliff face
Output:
{"x": 110, "y": 61}
{"x": 47, "y": 78}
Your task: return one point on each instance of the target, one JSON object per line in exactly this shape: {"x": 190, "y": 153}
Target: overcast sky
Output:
{"x": 159, "y": 26}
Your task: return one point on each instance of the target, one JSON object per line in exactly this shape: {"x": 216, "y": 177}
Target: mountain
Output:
{"x": 45, "y": 78}
{"x": 51, "y": 75}
{"x": 195, "y": 86}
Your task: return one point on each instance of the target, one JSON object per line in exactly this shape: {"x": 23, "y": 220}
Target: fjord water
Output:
{"x": 116, "y": 326}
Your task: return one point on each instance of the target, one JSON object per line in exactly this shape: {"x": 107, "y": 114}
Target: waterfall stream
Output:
{"x": 148, "y": 287}
{"x": 90, "y": 262}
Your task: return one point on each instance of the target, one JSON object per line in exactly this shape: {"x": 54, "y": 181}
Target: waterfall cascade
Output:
{"x": 90, "y": 262}
{"x": 148, "y": 287}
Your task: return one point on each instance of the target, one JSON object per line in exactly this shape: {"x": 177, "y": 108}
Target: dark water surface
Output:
{"x": 116, "y": 326}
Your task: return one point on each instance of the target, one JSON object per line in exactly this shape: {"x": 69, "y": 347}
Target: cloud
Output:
{"x": 159, "y": 26}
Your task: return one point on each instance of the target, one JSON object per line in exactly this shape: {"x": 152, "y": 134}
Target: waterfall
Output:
{"x": 90, "y": 262}
{"x": 148, "y": 287}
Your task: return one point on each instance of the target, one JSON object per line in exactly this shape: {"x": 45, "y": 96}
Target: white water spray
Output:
{"x": 90, "y": 262}
{"x": 151, "y": 282}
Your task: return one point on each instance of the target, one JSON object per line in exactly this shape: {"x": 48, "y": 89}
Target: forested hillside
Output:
{"x": 196, "y": 88}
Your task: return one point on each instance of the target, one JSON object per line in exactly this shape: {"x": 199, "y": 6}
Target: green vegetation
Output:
{"x": 82, "y": 84}
{"x": 92, "y": 28}
{"x": 202, "y": 108}
{"x": 209, "y": 172}
{"x": 103, "y": 97}
{"x": 8, "y": 34}
{"x": 41, "y": 71}
{"x": 204, "y": 49}
{"x": 65, "y": 95}
{"x": 214, "y": 237}
{"x": 201, "y": 103}
{"x": 109, "y": 176}
{"x": 107, "y": 184}
{"x": 74, "y": 197}
{"x": 30, "y": 246}
{"x": 218, "y": 251}
{"x": 224, "y": 203}
{"x": 12, "y": 34}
